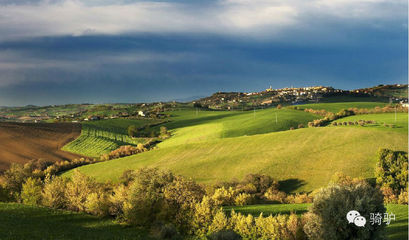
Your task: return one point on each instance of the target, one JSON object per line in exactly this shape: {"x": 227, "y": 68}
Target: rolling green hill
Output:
{"x": 189, "y": 128}
{"x": 213, "y": 146}
{"x": 309, "y": 156}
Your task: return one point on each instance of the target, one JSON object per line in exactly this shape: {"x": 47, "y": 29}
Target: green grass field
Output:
{"x": 336, "y": 107}
{"x": 104, "y": 136}
{"x": 397, "y": 230}
{"x": 207, "y": 125}
{"x": 23, "y": 222}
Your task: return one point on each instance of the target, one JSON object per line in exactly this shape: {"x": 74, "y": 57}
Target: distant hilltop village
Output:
{"x": 396, "y": 93}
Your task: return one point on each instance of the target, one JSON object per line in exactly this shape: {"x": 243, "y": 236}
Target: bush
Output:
{"x": 31, "y": 191}
{"x": 14, "y": 177}
{"x": 300, "y": 125}
{"x": 132, "y": 131}
{"x": 78, "y": 189}
{"x": 53, "y": 192}
{"x": 403, "y": 197}
{"x": 327, "y": 216}
{"x": 97, "y": 203}
{"x": 392, "y": 170}
{"x": 224, "y": 197}
{"x": 275, "y": 195}
{"x": 145, "y": 201}
{"x": 203, "y": 214}
{"x": 243, "y": 199}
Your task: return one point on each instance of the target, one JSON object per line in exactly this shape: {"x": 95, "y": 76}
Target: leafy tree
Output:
{"x": 78, "y": 189}
{"x": 392, "y": 170}
{"x": 31, "y": 191}
{"x": 327, "y": 216}
{"x": 132, "y": 131}
{"x": 53, "y": 194}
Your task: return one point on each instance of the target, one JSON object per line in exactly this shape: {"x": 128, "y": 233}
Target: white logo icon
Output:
{"x": 355, "y": 217}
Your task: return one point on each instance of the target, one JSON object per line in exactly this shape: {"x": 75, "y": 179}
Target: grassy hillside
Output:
{"x": 336, "y": 107}
{"x": 100, "y": 137}
{"x": 210, "y": 125}
{"x": 30, "y": 222}
{"x": 309, "y": 157}
{"x": 397, "y": 230}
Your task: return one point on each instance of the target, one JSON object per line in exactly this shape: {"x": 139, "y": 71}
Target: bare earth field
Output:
{"x": 22, "y": 142}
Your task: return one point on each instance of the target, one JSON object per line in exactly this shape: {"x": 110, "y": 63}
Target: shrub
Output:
{"x": 392, "y": 170}
{"x": 327, "y": 216}
{"x": 117, "y": 200}
{"x": 279, "y": 106}
{"x": 31, "y": 191}
{"x": 204, "y": 213}
{"x": 219, "y": 223}
{"x": 97, "y": 203}
{"x": 300, "y": 125}
{"x": 180, "y": 196}
{"x": 243, "y": 199}
{"x": 145, "y": 200}
{"x": 275, "y": 195}
{"x": 388, "y": 195}
{"x": 53, "y": 192}
{"x": 224, "y": 197}
{"x": 299, "y": 198}
{"x": 132, "y": 131}
{"x": 292, "y": 128}
{"x": 14, "y": 177}
{"x": 403, "y": 197}
{"x": 77, "y": 191}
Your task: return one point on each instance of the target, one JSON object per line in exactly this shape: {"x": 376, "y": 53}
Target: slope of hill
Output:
{"x": 22, "y": 142}
{"x": 306, "y": 158}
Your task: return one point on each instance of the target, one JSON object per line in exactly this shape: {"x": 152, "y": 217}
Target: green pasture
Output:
{"x": 399, "y": 120}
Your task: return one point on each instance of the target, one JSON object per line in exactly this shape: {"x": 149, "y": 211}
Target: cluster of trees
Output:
{"x": 172, "y": 205}
{"x": 329, "y": 116}
{"x": 359, "y": 122}
{"x": 146, "y": 131}
{"x": 254, "y": 188}
{"x": 123, "y": 151}
{"x": 392, "y": 175}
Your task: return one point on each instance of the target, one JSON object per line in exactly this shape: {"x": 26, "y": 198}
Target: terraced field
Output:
{"x": 100, "y": 137}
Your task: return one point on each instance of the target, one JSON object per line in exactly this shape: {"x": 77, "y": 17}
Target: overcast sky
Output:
{"x": 99, "y": 51}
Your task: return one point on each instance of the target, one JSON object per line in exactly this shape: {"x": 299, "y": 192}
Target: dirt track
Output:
{"x": 22, "y": 142}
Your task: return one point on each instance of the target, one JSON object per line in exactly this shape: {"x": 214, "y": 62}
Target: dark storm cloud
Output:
{"x": 129, "y": 66}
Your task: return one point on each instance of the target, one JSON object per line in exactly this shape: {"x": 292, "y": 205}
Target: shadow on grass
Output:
{"x": 25, "y": 222}
{"x": 291, "y": 185}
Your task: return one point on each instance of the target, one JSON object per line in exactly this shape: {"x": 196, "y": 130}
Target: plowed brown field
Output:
{"x": 22, "y": 142}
